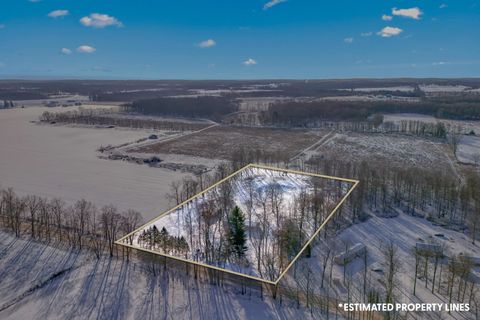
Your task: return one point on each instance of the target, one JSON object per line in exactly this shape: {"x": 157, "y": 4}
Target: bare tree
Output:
{"x": 392, "y": 263}
{"x": 454, "y": 138}
{"x": 82, "y": 214}
{"x": 33, "y": 204}
{"x": 110, "y": 220}
{"x": 57, "y": 208}
{"x": 131, "y": 221}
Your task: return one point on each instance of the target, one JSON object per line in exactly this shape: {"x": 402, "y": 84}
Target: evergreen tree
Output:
{"x": 183, "y": 246}
{"x": 237, "y": 235}
{"x": 164, "y": 239}
{"x": 154, "y": 236}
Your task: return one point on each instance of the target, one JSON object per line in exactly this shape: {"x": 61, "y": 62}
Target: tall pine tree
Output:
{"x": 237, "y": 235}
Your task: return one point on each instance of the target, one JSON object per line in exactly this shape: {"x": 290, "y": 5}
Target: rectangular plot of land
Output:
{"x": 221, "y": 142}
{"x": 254, "y": 223}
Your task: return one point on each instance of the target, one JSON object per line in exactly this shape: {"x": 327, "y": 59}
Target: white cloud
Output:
{"x": 386, "y": 17}
{"x": 207, "y": 43}
{"x": 86, "y": 49}
{"x": 413, "y": 13}
{"x": 348, "y": 40}
{"x": 272, "y": 3}
{"x": 388, "y": 32}
{"x": 250, "y": 62}
{"x": 440, "y": 63}
{"x": 66, "y": 51}
{"x": 58, "y": 13}
{"x": 443, "y": 6}
{"x": 97, "y": 20}
{"x": 366, "y": 34}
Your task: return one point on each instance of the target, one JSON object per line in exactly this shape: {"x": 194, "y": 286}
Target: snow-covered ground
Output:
{"x": 60, "y": 161}
{"x": 252, "y": 192}
{"x": 436, "y": 88}
{"x": 469, "y": 150}
{"x": 397, "y": 117}
{"x": 376, "y": 233}
{"x": 390, "y": 89}
{"x": 50, "y": 282}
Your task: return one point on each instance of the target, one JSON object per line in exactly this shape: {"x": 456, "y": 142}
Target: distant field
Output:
{"x": 469, "y": 150}
{"x": 401, "y": 150}
{"x": 220, "y": 142}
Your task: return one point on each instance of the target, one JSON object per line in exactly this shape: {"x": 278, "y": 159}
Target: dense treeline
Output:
{"x": 21, "y": 95}
{"x": 199, "y": 107}
{"x": 107, "y": 117}
{"x": 305, "y": 113}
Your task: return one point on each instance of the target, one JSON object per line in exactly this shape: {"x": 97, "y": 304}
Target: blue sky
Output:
{"x": 233, "y": 39}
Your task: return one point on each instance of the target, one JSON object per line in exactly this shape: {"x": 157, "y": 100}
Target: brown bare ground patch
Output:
{"x": 219, "y": 142}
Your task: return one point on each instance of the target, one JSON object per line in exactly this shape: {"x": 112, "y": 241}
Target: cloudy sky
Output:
{"x": 248, "y": 39}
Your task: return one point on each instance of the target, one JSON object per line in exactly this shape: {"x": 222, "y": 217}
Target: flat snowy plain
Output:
{"x": 59, "y": 161}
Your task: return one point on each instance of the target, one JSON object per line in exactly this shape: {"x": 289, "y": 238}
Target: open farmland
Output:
{"x": 59, "y": 161}
{"x": 220, "y": 142}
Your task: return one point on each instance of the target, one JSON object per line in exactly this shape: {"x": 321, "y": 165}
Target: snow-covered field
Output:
{"x": 50, "y": 282}
{"x": 397, "y": 117}
{"x": 59, "y": 161}
{"x": 268, "y": 199}
{"x": 401, "y": 150}
{"x": 390, "y": 89}
{"x": 372, "y": 98}
{"x": 469, "y": 150}
{"x": 435, "y": 88}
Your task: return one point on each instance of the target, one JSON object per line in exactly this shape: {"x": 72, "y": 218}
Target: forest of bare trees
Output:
{"x": 433, "y": 194}
{"x": 80, "y": 225}
{"x": 262, "y": 233}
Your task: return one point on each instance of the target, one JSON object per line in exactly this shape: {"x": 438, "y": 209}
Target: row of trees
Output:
{"x": 153, "y": 239}
{"x": 108, "y": 117}
{"x": 81, "y": 224}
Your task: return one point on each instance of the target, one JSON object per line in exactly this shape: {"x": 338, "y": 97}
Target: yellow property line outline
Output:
{"x": 355, "y": 183}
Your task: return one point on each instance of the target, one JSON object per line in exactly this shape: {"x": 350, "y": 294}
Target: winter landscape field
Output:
{"x": 65, "y": 159}
{"x": 77, "y": 175}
